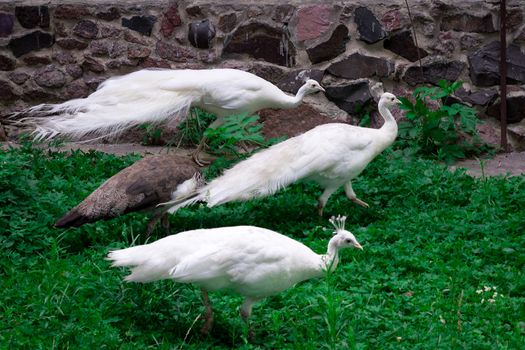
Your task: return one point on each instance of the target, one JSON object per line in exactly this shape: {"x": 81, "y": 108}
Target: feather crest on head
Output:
{"x": 338, "y": 222}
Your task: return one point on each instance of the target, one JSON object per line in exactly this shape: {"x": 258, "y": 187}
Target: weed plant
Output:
{"x": 437, "y": 244}
{"x": 439, "y": 131}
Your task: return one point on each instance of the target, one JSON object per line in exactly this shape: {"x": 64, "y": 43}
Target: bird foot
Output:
{"x": 200, "y": 162}
{"x": 208, "y": 322}
{"x": 360, "y": 202}
{"x": 320, "y": 209}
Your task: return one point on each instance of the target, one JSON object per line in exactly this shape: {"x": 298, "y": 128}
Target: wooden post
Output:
{"x": 503, "y": 74}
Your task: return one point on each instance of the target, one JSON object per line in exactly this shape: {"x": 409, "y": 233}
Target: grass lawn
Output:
{"x": 438, "y": 246}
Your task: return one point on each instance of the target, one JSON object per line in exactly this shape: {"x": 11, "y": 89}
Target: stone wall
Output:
{"x": 57, "y": 50}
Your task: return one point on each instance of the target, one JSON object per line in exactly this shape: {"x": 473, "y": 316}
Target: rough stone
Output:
{"x": 469, "y": 41}
{"x": 313, "y": 21}
{"x": 61, "y": 30}
{"x": 194, "y": 11}
{"x": 515, "y": 107}
{"x": 7, "y": 22}
{"x": 32, "y": 16}
{"x": 514, "y": 18}
{"x": 109, "y": 14}
{"x": 520, "y": 38}
{"x": 72, "y": 44}
{"x": 445, "y": 44}
{"x": 71, "y": 12}
{"x": 201, "y": 34}
{"x": 358, "y": 66}
{"x": 64, "y": 57}
{"x": 108, "y": 32}
{"x": 155, "y": 63}
{"x": 291, "y": 122}
{"x": 426, "y": 24}
{"x": 369, "y": 28}
{"x": 135, "y": 39}
{"x": 99, "y": 48}
{"x": 18, "y": 77}
{"x": 283, "y": 13}
{"x": 434, "y": 69}
{"x": 74, "y": 70}
{"x": 480, "y": 97}
{"x": 7, "y": 63}
{"x": 353, "y": 98}
{"x": 93, "y": 82}
{"x": 30, "y": 42}
{"x": 33, "y": 96}
{"x": 33, "y": 60}
{"x": 468, "y": 23}
{"x": 227, "y": 22}
{"x": 292, "y": 81}
{"x": 268, "y": 72}
{"x": 7, "y": 92}
{"x": 137, "y": 51}
{"x": 50, "y": 76}
{"x": 484, "y": 65}
{"x": 76, "y": 89}
{"x": 260, "y": 41}
{"x": 394, "y": 20}
{"x": 141, "y": 24}
{"x": 92, "y": 65}
{"x": 123, "y": 62}
{"x": 402, "y": 43}
{"x": 86, "y": 29}
{"x": 170, "y": 21}
{"x": 173, "y": 52}
{"x": 331, "y": 48}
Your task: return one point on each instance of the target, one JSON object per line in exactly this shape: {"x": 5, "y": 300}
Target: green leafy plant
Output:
{"x": 192, "y": 129}
{"x": 438, "y": 130}
{"x": 429, "y": 241}
{"x": 152, "y": 135}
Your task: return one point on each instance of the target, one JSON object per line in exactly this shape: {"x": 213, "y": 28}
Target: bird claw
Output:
{"x": 360, "y": 202}
{"x": 200, "y": 162}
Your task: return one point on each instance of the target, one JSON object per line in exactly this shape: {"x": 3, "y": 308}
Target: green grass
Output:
{"x": 431, "y": 239}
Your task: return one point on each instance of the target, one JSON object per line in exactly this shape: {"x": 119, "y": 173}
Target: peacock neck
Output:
{"x": 294, "y": 101}
{"x": 389, "y": 128}
{"x": 330, "y": 260}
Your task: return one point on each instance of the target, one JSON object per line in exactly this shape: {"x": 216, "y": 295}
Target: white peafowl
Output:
{"x": 143, "y": 185}
{"x": 153, "y": 96}
{"x": 251, "y": 261}
{"x": 330, "y": 154}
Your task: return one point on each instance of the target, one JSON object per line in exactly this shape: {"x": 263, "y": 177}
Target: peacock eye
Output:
{"x": 347, "y": 241}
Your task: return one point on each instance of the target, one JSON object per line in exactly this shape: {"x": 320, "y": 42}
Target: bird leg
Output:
{"x": 351, "y": 195}
{"x": 153, "y": 222}
{"x": 245, "y": 312}
{"x": 208, "y": 313}
{"x": 165, "y": 221}
{"x": 195, "y": 154}
{"x": 321, "y": 202}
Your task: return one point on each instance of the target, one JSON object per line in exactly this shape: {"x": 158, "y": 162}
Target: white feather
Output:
{"x": 330, "y": 154}
{"x": 155, "y": 96}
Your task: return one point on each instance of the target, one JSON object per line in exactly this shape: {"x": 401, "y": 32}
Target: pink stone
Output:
{"x": 392, "y": 20}
{"x": 313, "y": 21}
{"x": 170, "y": 20}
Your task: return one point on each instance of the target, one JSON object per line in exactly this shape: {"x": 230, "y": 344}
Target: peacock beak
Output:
{"x": 358, "y": 246}
{"x": 398, "y": 102}
{"x": 321, "y": 89}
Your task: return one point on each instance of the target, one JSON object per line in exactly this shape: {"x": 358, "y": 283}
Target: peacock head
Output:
{"x": 389, "y": 100}
{"x": 343, "y": 238}
{"x": 311, "y": 86}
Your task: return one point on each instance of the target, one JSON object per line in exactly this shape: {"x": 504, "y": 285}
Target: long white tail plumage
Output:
{"x": 261, "y": 175}
{"x": 141, "y": 259}
{"x": 118, "y": 104}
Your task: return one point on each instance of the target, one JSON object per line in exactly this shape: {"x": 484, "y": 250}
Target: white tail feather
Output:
{"x": 118, "y": 104}
{"x": 140, "y": 259}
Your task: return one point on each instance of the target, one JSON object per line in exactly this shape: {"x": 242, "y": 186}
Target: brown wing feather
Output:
{"x": 143, "y": 185}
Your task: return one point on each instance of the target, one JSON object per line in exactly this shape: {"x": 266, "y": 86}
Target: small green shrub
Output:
{"x": 152, "y": 135}
{"x": 445, "y": 132}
